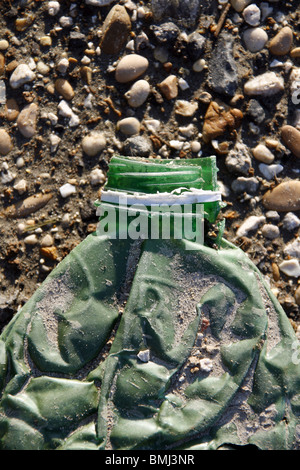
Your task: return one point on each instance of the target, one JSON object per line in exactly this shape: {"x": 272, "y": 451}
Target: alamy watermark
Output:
{"x": 155, "y": 221}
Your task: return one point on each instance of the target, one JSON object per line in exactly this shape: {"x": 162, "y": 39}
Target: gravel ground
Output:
{"x": 194, "y": 98}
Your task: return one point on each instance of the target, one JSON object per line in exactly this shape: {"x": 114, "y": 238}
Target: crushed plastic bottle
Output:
{"x": 153, "y": 342}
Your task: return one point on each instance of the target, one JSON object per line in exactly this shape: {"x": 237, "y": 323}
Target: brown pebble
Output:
{"x": 5, "y": 142}
{"x": 281, "y": 44}
{"x": 28, "y": 206}
{"x": 2, "y": 64}
{"x": 291, "y": 137}
{"x": 297, "y": 295}
{"x": 49, "y": 252}
{"x": 64, "y": 88}
{"x": 283, "y": 198}
{"x": 295, "y": 52}
{"x": 86, "y": 74}
{"x": 169, "y": 87}
{"x": 275, "y": 272}
{"x": 218, "y": 118}
{"x": 115, "y": 30}
{"x": 11, "y": 111}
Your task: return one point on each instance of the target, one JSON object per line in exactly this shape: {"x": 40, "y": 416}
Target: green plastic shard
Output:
{"x": 151, "y": 343}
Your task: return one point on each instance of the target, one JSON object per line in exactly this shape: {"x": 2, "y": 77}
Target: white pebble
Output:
{"x": 199, "y": 65}
{"x": 65, "y": 111}
{"x": 54, "y": 141}
{"x": 176, "y": 144}
{"x": 270, "y": 171}
{"x": 263, "y": 154}
{"x": 129, "y": 126}
{"x": 21, "y": 186}
{"x": 97, "y": 177}
{"x": 290, "y": 221}
{"x": 47, "y": 240}
{"x": 290, "y": 267}
{"x": 206, "y": 365}
{"x": 21, "y": 75}
{"x": 251, "y": 223}
{"x": 183, "y": 84}
{"x": 266, "y": 84}
{"x": 255, "y": 39}
{"x": 53, "y": 8}
{"x": 31, "y": 240}
{"x": 270, "y": 231}
{"x": 66, "y": 21}
{"x": 144, "y": 355}
{"x": 93, "y": 143}
{"x": 67, "y": 189}
{"x": 63, "y": 65}
{"x": 252, "y": 15}
{"x": 152, "y": 125}
{"x": 293, "y": 248}
{"x": 138, "y": 93}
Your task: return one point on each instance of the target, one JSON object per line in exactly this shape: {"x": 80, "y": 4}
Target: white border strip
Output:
{"x": 192, "y": 196}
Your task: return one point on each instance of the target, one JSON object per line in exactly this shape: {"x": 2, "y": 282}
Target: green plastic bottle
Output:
{"x": 154, "y": 333}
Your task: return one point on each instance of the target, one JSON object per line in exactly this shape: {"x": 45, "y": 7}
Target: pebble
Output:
{"x": 243, "y": 184}
{"x": 290, "y": 267}
{"x": 263, "y": 154}
{"x": 65, "y": 111}
{"x": 115, "y": 30}
{"x": 295, "y": 53}
{"x": 293, "y": 248}
{"x": 31, "y": 239}
{"x": 64, "y": 88}
{"x": 218, "y": 118}
{"x": 238, "y": 159}
{"x": 21, "y": 75}
{"x": 252, "y": 14}
{"x": 270, "y": 231}
{"x": 42, "y": 68}
{"x": 53, "y": 8}
{"x": 49, "y": 252}
{"x": 5, "y": 142}
{"x": 255, "y": 39}
{"x": 67, "y": 189}
{"x": 4, "y": 44}
{"x": 130, "y": 68}
{"x": 54, "y": 142}
{"x": 250, "y": 224}
{"x": 166, "y": 33}
{"x": 239, "y": 5}
{"x": 137, "y": 146}
{"x": 199, "y": 65}
{"x": 206, "y": 365}
{"x": 47, "y": 240}
{"x": 291, "y": 137}
{"x": 97, "y": 177}
{"x": 129, "y": 126}
{"x": 297, "y": 295}
{"x": 20, "y": 186}
{"x": 185, "y": 108}
{"x": 281, "y": 44}
{"x": 169, "y": 87}
{"x": 93, "y": 143}
{"x": 266, "y": 84}
{"x": 27, "y": 120}
{"x": 283, "y": 198}
{"x": 290, "y": 221}
{"x": 138, "y": 93}
{"x": 144, "y": 355}
{"x": 256, "y": 111}
{"x": 270, "y": 171}
{"x": 223, "y": 73}
{"x": 161, "y": 54}
{"x": 195, "y": 45}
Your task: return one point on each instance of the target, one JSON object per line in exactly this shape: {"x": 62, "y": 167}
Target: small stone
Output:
{"x": 239, "y": 5}
{"x": 223, "y": 74}
{"x": 161, "y": 54}
{"x": 290, "y": 267}
{"x": 137, "y": 146}
{"x": 219, "y": 118}
{"x": 169, "y": 87}
{"x": 53, "y": 8}
{"x": 144, "y": 355}
{"x": 27, "y": 120}
{"x": 129, "y": 126}
{"x": 46, "y": 41}
{"x": 281, "y": 44}
{"x": 243, "y": 184}
{"x": 293, "y": 249}
{"x": 54, "y": 142}
{"x": 115, "y": 30}
{"x": 166, "y": 33}
{"x": 250, "y": 224}
{"x": 93, "y": 143}
{"x": 283, "y": 198}
{"x": 270, "y": 231}
{"x": 66, "y": 21}
{"x": 65, "y": 111}
{"x": 291, "y": 137}
{"x": 263, "y": 154}
{"x": 185, "y": 108}
{"x": 47, "y": 240}
{"x": 130, "y": 68}
{"x": 195, "y": 45}
{"x": 97, "y": 177}
{"x": 2, "y": 64}
{"x": 256, "y": 111}
{"x": 295, "y": 53}
{"x": 64, "y": 88}
{"x": 21, "y": 75}
{"x": 31, "y": 239}
{"x": 252, "y": 14}
{"x": 297, "y": 295}
{"x": 42, "y": 68}
{"x": 21, "y": 186}
{"x": 255, "y": 39}
{"x": 138, "y": 93}
{"x": 2, "y": 92}
{"x": 67, "y": 189}
{"x": 5, "y": 142}
{"x": 238, "y": 159}
{"x": 49, "y": 252}
{"x": 267, "y": 84}
{"x": 4, "y": 44}
{"x": 195, "y": 146}
{"x": 270, "y": 171}
{"x": 290, "y": 221}
{"x": 199, "y": 65}
{"x": 62, "y": 65}
{"x": 206, "y": 365}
